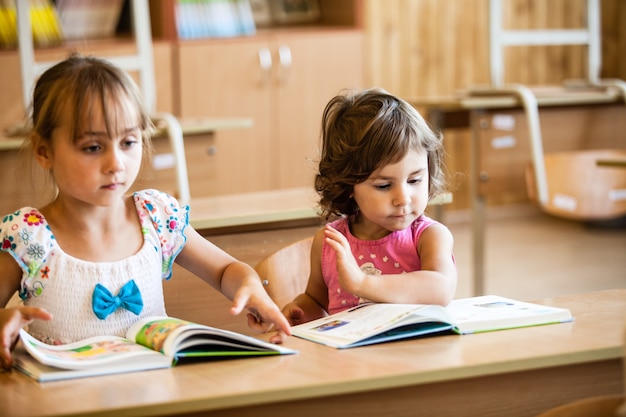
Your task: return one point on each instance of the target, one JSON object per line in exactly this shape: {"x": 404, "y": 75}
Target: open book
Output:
{"x": 151, "y": 343}
{"x": 371, "y": 323}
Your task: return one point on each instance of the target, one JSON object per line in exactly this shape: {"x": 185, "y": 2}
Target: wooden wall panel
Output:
{"x": 614, "y": 39}
{"x": 438, "y": 47}
{"x": 427, "y": 48}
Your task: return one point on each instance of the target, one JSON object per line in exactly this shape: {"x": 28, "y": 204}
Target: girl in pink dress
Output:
{"x": 380, "y": 164}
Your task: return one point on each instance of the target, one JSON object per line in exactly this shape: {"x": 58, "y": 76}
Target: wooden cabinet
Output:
{"x": 222, "y": 79}
{"x": 322, "y": 65}
{"x": 280, "y": 80}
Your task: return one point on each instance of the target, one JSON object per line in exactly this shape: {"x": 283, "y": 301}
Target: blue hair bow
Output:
{"x": 105, "y": 303}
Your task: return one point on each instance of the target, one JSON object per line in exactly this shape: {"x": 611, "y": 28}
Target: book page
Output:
{"x": 491, "y": 312}
{"x": 366, "y": 320}
{"x": 175, "y": 338}
{"x": 153, "y": 332}
{"x": 86, "y": 354}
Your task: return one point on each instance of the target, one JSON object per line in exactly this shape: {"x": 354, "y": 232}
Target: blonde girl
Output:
{"x": 91, "y": 261}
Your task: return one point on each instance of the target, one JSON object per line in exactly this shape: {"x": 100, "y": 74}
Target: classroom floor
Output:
{"x": 529, "y": 255}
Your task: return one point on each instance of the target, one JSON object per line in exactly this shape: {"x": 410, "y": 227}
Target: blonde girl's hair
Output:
{"x": 77, "y": 80}
{"x": 362, "y": 131}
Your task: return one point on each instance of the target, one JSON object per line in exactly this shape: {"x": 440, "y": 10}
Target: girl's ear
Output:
{"x": 43, "y": 151}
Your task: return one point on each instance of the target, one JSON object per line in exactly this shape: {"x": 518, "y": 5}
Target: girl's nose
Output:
{"x": 114, "y": 162}
{"x": 402, "y": 196}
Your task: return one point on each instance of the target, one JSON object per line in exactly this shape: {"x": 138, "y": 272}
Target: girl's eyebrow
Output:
{"x": 419, "y": 171}
{"x": 103, "y": 133}
{"x": 385, "y": 177}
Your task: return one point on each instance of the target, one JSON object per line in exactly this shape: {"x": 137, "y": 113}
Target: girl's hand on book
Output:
{"x": 263, "y": 314}
{"x": 278, "y": 338}
{"x": 11, "y": 321}
{"x": 294, "y": 315}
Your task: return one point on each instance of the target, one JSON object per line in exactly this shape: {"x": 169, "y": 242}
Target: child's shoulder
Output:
{"x": 25, "y": 230}
{"x": 25, "y": 215}
{"x": 160, "y": 207}
{"x": 153, "y": 194}
{"x": 151, "y": 199}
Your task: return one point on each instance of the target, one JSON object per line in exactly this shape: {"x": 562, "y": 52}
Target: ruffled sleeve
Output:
{"x": 26, "y": 236}
{"x": 163, "y": 222}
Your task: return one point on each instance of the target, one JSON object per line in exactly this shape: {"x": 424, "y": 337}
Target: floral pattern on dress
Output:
{"x": 27, "y": 237}
{"x": 161, "y": 214}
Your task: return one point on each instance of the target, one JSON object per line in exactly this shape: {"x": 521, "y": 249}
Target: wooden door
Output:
{"x": 223, "y": 79}
{"x": 322, "y": 64}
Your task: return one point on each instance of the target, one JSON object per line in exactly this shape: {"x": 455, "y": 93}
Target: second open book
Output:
{"x": 368, "y": 324}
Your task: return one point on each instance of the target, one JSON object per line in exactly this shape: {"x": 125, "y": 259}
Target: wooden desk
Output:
{"x": 245, "y": 211}
{"x": 478, "y": 111}
{"x": 517, "y": 372}
{"x": 13, "y": 138}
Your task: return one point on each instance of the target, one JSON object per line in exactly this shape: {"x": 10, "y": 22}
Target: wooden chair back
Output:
{"x": 581, "y": 188}
{"x": 600, "y": 406}
{"x": 285, "y": 272}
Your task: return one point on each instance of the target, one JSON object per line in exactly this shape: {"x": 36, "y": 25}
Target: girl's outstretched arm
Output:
{"x": 238, "y": 281}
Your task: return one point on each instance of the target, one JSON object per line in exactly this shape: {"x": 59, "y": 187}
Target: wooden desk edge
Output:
{"x": 202, "y": 126}
{"x": 9, "y": 144}
{"x": 218, "y": 221}
{"x": 364, "y": 385}
{"x": 507, "y": 100}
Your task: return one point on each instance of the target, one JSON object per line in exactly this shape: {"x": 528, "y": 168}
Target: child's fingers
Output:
{"x": 261, "y": 314}
{"x": 6, "y": 344}
{"x": 236, "y": 307}
{"x": 295, "y": 315}
{"x": 278, "y": 338}
{"x": 6, "y": 361}
{"x": 13, "y": 321}
{"x": 267, "y": 324}
{"x": 257, "y": 325}
{"x": 34, "y": 313}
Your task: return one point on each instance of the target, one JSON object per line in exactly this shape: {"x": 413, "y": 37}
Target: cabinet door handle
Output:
{"x": 265, "y": 62}
{"x": 284, "y": 57}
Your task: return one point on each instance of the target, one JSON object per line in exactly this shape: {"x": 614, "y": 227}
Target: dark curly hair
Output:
{"x": 363, "y": 130}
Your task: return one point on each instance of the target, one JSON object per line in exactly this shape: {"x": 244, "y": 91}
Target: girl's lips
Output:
{"x": 401, "y": 216}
